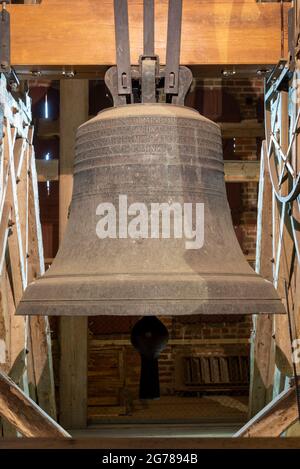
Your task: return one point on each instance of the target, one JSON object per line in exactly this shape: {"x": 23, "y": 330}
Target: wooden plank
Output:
{"x": 19, "y": 154}
{"x": 274, "y": 419}
{"x": 24, "y": 414}
{"x": 87, "y": 34}
{"x": 73, "y": 330}
{"x": 121, "y": 442}
{"x": 21, "y": 158}
{"x": 241, "y": 171}
{"x": 4, "y": 232}
{"x": 16, "y": 238}
{"x": 6, "y": 306}
{"x": 38, "y": 326}
{"x": 94, "y": 343}
{"x": 245, "y": 129}
{"x": 47, "y": 170}
{"x": 73, "y": 372}
{"x": 42, "y": 363}
{"x": 284, "y": 266}
{"x": 37, "y": 229}
{"x": 47, "y": 128}
{"x": 263, "y": 345}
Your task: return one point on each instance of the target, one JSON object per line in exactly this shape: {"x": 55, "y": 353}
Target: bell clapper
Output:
{"x": 149, "y": 336}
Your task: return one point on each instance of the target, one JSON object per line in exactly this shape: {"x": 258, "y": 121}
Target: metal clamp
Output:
{"x": 149, "y": 76}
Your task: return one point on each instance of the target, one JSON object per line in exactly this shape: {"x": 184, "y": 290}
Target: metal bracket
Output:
{"x": 149, "y": 76}
{"x": 277, "y": 80}
{"x": 149, "y": 70}
{"x": 149, "y": 28}
{"x": 122, "y": 47}
{"x": 173, "y": 47}
{"x": 149, "y": 62}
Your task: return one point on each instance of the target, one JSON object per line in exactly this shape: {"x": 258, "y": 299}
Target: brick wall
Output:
{"x": 114, "y": 367}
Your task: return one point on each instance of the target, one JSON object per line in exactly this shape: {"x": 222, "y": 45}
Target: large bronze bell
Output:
{"x": 148, "y": 154}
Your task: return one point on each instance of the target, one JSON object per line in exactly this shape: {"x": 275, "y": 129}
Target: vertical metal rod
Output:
{"x": 4, "y": 38}
{"x": 122, "y": 46}
{"x": 149, "y": 27}
{"x": 173, "y": 46}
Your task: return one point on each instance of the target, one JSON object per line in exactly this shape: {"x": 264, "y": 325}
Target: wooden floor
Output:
{"x": 172, "y": 416}
{"x": 208, "y": 430}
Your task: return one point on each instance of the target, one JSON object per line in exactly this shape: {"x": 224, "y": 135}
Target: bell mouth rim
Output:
{"x": 179, "y": 308}
{"x": 124, "y": 111}
{"x": 134, "y": 296}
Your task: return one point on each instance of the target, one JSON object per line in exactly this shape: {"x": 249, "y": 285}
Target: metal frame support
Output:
{"x": 5, "y": 38}
{"x": 149, "y": 65}
{"x": 149, "y": 27}
{"x": 173, "y": 47}
{"x": 122, "y": 47}
{"x": 5, "y": 64}
{"x": 175, "y": 79}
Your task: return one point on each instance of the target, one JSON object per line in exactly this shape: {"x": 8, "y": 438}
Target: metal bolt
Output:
{"x": 36, "y": 73}
{"x": 68, "y": 74}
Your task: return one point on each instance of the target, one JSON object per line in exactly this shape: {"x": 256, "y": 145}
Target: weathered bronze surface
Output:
{"x": 154, "y": 153}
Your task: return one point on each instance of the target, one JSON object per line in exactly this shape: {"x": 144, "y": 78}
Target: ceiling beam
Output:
{"x": 71, "y": 34}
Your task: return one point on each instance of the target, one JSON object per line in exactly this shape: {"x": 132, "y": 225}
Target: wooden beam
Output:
{"x": 4, "y": 231}
{"x": 73, "y": 330}
{"x": 46, "y": 128}
{"x": 73, "y": 338}
{"x": 241, "y": 171}
{"x": 263, "y": 343}
{"x": 99, "y": 343}
{"x": 246, "y": 128}
{"x": 38, "y": 326}
{"x": 24, "y": 414}
{"x": 235, "y": 170}
{"x": 283, "y": 255}
{"x": 127, "y": 443}
{"x": 274, "y": 419}
{"x": 87, "y": 34}
{"x": 47, "y": 170}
